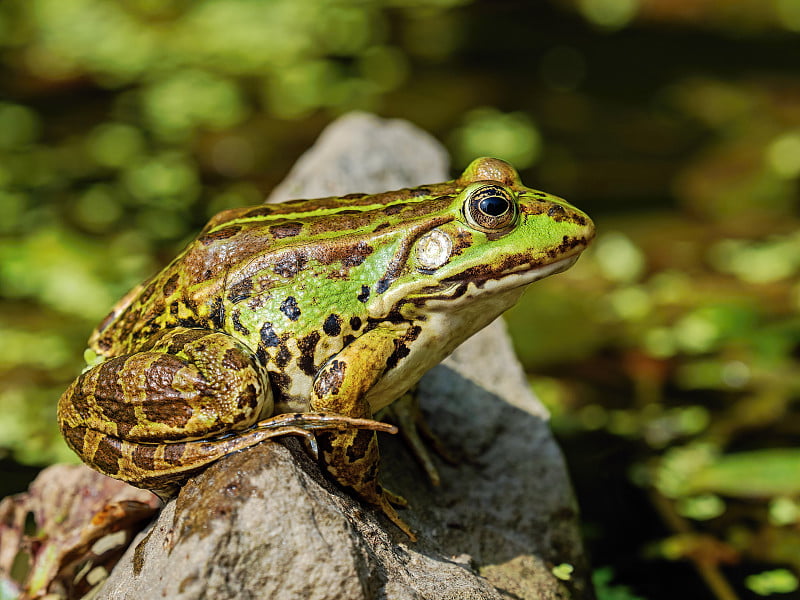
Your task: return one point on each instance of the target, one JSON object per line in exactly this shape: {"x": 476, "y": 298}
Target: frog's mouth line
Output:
{"x": 529, "y": 275}
{"x": 523, "y": 274}
{"x": 518, "y": 276}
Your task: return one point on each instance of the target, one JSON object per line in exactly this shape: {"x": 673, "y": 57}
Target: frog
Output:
{"x": 307, "y": 318}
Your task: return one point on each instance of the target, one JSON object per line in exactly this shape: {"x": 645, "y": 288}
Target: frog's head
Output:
{"x": 493, "y": 238}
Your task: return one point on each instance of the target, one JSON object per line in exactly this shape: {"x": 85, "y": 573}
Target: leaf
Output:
{"x": 81, "y": 520}
{"x": 755, "y": 474}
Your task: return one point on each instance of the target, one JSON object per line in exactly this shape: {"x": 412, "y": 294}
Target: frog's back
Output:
{"x": 242, "y": 252}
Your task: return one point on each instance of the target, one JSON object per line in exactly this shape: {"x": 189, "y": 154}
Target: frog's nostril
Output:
{"x": 556, "y": 211}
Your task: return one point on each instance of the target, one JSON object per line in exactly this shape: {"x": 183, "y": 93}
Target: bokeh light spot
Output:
{"x": 784, "y": 155}
{"x": 19, "y": 126}
{"x": 609, "y": 14}
{"x": 619, "y": 258}
{"x": 490, "y": 132}
{"x": 115, "y": 144}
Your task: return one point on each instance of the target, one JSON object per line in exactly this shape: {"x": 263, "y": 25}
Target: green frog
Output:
{"x": 306, "y": 318}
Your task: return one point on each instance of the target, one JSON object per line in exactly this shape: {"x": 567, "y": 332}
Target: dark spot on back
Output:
{"x": 268, "y": 336}
{"x": 170, "y": 285}
{"x": 307, "y": 345}
{"x": 190, "y": 322}
{"x": 237, "y": 324}
{"x": 332, "y": 325}
{"x": 290, "y": 309}
{"x": 261, "y": 355}
{"x": 364, "y": 295}
{"x": 284, "y": 230}
{"x": 260, "y": 211}
{"x": 280, "y": 383}
{"x": 218, "y": 313}
{"x": 350, "y": 254}
{"x": 355, "y": 323}
{"x": 220, "y": 234}
{"x": 354, "y": 260}
{"x": 283, "y": 357}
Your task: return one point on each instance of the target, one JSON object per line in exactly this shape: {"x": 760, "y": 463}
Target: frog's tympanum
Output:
{"x": 309, "y": 316}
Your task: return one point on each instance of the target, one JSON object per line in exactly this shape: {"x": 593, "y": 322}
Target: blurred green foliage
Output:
{"x": 125, "y": 125}
{"x": 777, "y": 581}
{"x": 672, "y": 347}
{"x": 607, "y": 591}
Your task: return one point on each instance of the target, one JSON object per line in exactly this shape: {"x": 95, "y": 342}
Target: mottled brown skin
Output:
{"x": 308, "y": 316}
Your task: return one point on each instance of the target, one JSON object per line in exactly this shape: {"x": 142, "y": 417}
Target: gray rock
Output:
{"x": 363, "y": 153}
{"x": 265, "y": 523}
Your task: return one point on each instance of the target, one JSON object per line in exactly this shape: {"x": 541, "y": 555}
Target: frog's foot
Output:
{"x": 405, "y": 412}
{"x": 322, "y": 421}
{"x": 384, "y": 500}
{"x": 303, "y": 424}
{"x": 395, "y": 499}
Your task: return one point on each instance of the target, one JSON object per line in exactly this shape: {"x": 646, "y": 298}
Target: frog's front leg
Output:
{"x": 156, "y": 416}
{"x": 352, "y": 457}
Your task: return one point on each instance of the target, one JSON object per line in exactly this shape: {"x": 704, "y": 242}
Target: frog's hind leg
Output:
{"x": 163, "y": 468}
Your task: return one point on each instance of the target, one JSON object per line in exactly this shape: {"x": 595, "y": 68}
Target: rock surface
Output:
{"x": 265, "y": 523}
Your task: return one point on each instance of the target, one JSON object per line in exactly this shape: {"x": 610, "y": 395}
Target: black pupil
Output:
{"x": 493, "y": 206}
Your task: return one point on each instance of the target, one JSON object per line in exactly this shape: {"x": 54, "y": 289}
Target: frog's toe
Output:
{"x": 385, "y": 502}
{"x": 322, "y": 422}
{"x": 395, "y": 499}
{"x": 406, "y": 413}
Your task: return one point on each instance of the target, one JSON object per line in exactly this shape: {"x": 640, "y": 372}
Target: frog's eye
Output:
{"x": 490, "y": 208}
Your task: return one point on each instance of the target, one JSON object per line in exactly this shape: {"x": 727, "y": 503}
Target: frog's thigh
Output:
{"x": 186, "y": 383}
